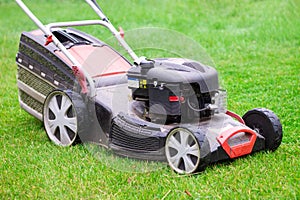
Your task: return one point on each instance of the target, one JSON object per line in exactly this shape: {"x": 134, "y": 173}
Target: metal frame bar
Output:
{"x": 116, "y": 33}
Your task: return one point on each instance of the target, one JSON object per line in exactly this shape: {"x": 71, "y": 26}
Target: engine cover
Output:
{"x": 173, "y": 87}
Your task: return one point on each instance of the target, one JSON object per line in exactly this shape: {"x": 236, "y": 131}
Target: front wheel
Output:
{"x": 63, "y": 117}
{"x": 267, "y": 124}
{"x": 182, "y": 151}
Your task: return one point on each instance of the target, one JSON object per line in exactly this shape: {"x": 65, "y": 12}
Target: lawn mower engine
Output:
{"x": 176, "y": 90}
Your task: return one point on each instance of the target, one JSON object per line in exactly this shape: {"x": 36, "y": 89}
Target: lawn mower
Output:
{"x": 159, "y": 109}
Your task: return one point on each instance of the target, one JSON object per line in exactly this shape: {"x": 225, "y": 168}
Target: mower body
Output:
{"x": 164, "y": 109}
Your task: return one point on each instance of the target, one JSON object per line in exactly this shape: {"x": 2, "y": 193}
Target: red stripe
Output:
{"x": 110, "y": 74}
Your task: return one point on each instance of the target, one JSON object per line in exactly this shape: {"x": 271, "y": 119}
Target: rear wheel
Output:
{"x": 63, "y": 117}
{"x": 182, "y": 151}
{"x": 267, "y": 124}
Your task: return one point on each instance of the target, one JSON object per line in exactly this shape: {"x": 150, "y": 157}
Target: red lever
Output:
{"x": 235, "y": 116}
{"x": 121, "y": 31}
{"x": 48, "y": 40}
{"x": 239, "y": 149}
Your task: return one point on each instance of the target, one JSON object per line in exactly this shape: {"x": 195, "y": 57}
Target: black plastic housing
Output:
{"x": 166, "y": 85}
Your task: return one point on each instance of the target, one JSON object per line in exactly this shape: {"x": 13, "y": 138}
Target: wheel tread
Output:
{"x": 276, "y": 125}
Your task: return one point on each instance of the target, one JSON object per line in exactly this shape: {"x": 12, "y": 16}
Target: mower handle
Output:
{"x": 93, "y": 4}
{"x": 98, "y": 10}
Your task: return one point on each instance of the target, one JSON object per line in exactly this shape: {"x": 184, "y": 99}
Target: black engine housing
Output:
{"x": 174, "y": 89}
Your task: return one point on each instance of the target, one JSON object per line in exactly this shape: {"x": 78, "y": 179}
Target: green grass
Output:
{"x": 255, "y": 46}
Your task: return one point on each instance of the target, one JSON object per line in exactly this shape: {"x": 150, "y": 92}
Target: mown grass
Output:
{"x": 255, "y": 46}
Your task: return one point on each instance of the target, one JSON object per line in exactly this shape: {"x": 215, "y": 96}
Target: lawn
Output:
{"x": 255, "y": 46}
